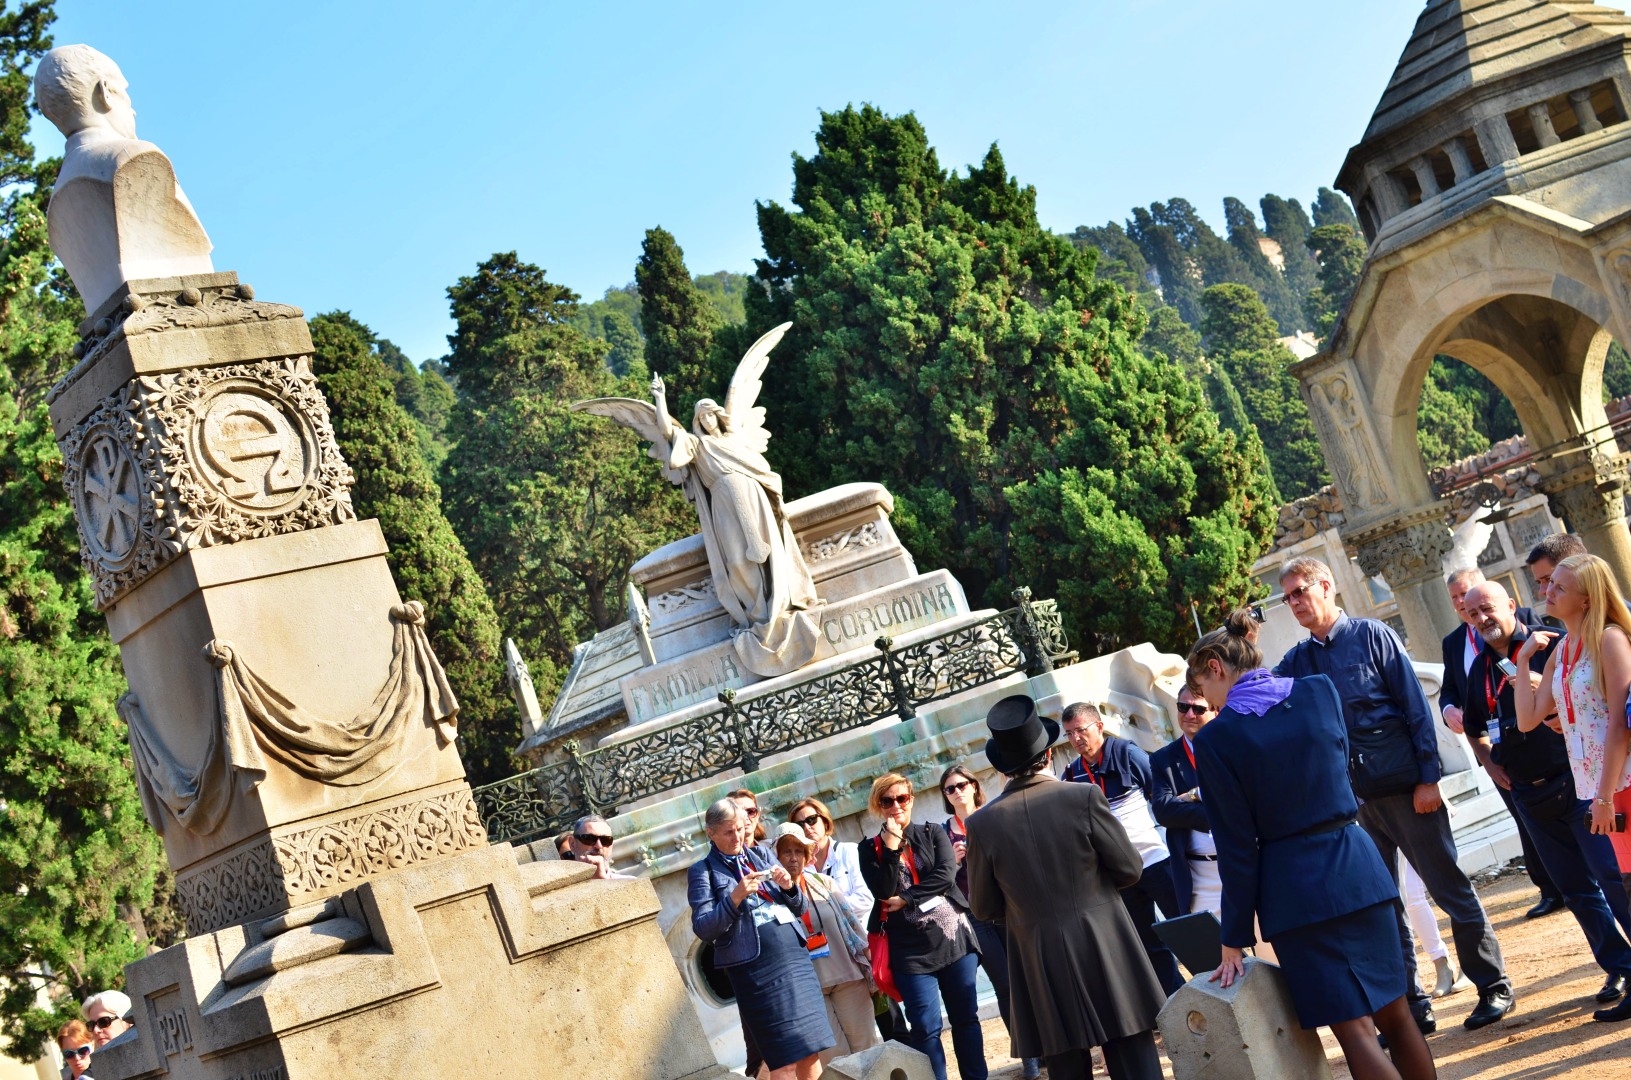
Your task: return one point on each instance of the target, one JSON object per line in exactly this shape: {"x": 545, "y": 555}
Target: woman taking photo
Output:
{"x": 745, "y": 902}
{"x": 1291, "y": 852}
{"x": 836, "y": 937}
{"x": 924, "y": 915}
{"x": 1585, "y": 685}
{"x": 961, "y": 793}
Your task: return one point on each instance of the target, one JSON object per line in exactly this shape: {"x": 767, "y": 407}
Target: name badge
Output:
{"x": 1576, "y": 745}
{"x": 783, "y": 915}
{"x": 818, "y": 946}
{"x": 931, "y": 903}
{"x": 1495, "y": 735}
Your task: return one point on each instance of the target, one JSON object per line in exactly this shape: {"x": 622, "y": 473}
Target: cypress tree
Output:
{"x": 677, "y": 319}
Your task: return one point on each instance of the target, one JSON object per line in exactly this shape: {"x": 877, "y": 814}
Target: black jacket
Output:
{"x": 1453, "y": 690}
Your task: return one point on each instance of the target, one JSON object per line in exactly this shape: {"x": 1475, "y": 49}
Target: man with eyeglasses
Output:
{"x": 1178, "y": 809}
{"x": 1394, "y": 767}
{"x": 592, "y": 843}
{"x": 1121, "y": 769}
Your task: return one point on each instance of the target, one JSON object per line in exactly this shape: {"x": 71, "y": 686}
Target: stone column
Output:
{"x": 1540, "y": 117}
{"x": 1460, "y": 161}
{"x": 1581, "y": 100}
{"x": 1495, "y": 140}
{"x": 1591, "y": 501}
{"x": 1407, "y": 552}
{"x": 1426, "y": 179}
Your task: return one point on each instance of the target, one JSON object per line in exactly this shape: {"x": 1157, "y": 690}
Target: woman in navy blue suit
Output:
{"x": 1274, "y": 766}
{"x": 745, "y": 902}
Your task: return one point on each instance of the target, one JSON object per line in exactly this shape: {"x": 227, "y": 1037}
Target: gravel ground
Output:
{"x": 1549, "y": 1036}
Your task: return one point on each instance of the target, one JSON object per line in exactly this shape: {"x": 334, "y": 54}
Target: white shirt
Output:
{"x": 1133, "y": 811}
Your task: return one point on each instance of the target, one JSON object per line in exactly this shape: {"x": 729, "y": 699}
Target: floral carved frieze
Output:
{"x": 830, "y": 547}
{"x": 201, "y": 457}
{"x": 305, "y": 865}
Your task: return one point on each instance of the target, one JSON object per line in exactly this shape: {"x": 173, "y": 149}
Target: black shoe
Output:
{"x": 1613, "y": 988}
{"x": 1547, "y": 906}
{"x": 1426, "y": 1021}
{"x": 1622, "y": 1011}
{"x": 1492, "y": 1005}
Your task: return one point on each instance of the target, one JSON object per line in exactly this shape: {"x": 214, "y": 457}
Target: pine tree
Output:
{"x": 553, "y": 506}
{"x": 1341, "y": 255}
{"x": 1331, "y": 208}
{"x": 393, "y": 484}
{"x": 1287, "y": 225}
{"x": 1242, "y": 338}
{"x": 677, "y": 319}
{"x": 949, "y": 347}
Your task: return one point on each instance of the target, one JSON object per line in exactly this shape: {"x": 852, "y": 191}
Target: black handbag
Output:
{"x": 1551, "y": 799}
{"x": 1382, "y": 760}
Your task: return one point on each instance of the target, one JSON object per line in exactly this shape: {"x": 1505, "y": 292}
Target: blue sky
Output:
{"x": 364, "y": 156}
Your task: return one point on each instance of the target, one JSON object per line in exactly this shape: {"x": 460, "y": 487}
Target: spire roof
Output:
{"x": 1460, "y": 44}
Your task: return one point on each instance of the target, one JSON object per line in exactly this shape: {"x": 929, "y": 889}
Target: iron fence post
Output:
{"x": 580, "y": 770}
{"x": 750, "y": 762}
{"x": 897, "y": 679}
{"x": 1039, "y": 662}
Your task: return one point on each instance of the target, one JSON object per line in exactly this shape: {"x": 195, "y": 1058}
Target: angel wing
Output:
{"x": 747, "y": 419}
{"x": 638, "y": 416}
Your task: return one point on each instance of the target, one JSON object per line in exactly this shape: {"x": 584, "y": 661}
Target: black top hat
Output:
{"x": 1018, "y": 734}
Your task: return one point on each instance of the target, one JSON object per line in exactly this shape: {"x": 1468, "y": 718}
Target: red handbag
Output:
{"x": 877, "y": 942}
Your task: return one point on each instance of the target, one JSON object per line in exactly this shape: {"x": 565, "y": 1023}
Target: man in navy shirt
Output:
{"x": 1380, "y": 693}
{"x": 1122, "y": 771}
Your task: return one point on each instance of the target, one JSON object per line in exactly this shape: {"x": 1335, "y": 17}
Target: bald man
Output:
{"x": 1534, "y": 766}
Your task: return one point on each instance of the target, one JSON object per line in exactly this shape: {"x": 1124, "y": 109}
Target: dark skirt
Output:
{"x": 779, "y": 997}
{"x": 1343, "y": 968}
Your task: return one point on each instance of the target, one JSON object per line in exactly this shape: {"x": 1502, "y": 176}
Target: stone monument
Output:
{"x": 291, "y": 729}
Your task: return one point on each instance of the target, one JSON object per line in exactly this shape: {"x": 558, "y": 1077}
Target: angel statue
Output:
{"x": 758, "y": 571}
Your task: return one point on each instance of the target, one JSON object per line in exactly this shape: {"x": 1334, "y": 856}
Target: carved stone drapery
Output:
{"x": 1406, "y": 552}
{"x": 1336, "y": 409}
{"x": 200, "y": 457}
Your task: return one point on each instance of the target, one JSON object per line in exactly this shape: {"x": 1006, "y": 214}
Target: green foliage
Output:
{"x": 1341, "y": 254}
{"x": 553, "y": 506}
{"x": 1616, "y": 373}
{"x": 1262, "y": 275}
{"x": 1168, "y": 335}
{"x": 1242, "y": 339}
{"x": 946, "y": 345}
{"x": 394, "y": 484}
{"x": 1447, "y": 426}
{"x": 727, "y": 292}
{"x": 1287, "y": 225}
{"x": 613, "y": 319}
{"x": 1119, "y": 260}
{"x": 1330, "y": 208}
{"x": 678, "y": 322}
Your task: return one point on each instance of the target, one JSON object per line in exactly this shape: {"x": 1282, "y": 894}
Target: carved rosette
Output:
{"x": 201, "y": 457}
{"x": 1407, "y": 553}
{"x": 305, "y": 865}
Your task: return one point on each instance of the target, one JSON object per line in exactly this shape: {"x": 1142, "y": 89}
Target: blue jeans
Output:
{"x": 923, "y": 993}
{"x": 1586, "y": 872}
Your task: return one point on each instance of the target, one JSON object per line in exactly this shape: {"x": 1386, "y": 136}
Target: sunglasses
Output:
{"x": 805, "y": 823}
{"x": 1301, "y": 590}
{"x": 83, "y": 1051}
{"x": 1191, "y": 707}
{"x": 101, "y": 1023}
{"x": 886, "y": 801}
{"x": 751, "y": 811}
{"x": 952, "y": 789}
{"x": 590, "y": 840}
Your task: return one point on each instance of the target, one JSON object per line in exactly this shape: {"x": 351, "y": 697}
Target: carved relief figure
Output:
{"x": 117, "y": 213}
{"x": 758, "y": 571}
{"x": 1342, "y": 430}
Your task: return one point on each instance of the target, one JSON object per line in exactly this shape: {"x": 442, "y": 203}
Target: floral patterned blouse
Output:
{"x": 1585, "y": 727}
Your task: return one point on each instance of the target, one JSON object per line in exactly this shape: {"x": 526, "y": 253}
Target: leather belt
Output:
{"x": 1203, "y": 858}
{"x": 1329, "y": 826}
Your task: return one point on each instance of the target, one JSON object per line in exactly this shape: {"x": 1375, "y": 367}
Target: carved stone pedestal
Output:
{"x": 471, "y": 966}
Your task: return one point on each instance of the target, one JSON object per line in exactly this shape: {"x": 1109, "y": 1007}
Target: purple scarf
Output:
{"x": 1257, "y": 691}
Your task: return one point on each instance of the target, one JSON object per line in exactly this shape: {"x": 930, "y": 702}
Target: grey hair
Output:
{"x": 1308, "y": 568}
{"x": 1466, "y": 573}
{"x": 590, "y": 819}
{"x": 65, "y": 81}
{"x": 719, "y": 812}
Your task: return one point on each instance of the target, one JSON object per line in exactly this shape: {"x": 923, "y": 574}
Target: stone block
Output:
{"x": 889, "y": 1061}
{"x": 1247, "y": 1032}
{"x": 699, "y": 675}
{"x": 421, "y": 973}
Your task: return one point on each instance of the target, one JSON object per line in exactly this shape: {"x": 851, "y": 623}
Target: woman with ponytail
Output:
{"x": 1274, "y": 767}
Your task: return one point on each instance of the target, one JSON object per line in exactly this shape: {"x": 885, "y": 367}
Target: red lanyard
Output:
{"x": 1568, "y": 668}
{"x": 1091, "y": 779}
{"x": 742, "y": 875}
{"x": 1492, "y": 693}
{"x": 1191, "y": 754}
{"x": 809, "y": 905}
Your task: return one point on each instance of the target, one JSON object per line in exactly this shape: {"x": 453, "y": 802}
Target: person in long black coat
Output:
{"x": 1274, "y": 766}
{"x": 1049, "y": 859}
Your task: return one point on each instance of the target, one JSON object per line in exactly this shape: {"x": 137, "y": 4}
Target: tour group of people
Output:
{"x": 105, "y": 1017}
{"x": 1054, "y": 888}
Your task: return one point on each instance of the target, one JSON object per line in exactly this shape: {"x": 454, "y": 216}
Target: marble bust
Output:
{"x": 117, "y": 213}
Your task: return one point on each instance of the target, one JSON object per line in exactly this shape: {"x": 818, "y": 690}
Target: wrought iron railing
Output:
{"x": 748, "y": 727}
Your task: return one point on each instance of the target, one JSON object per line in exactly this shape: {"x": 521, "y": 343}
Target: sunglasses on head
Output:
{"x": 955, "y": 786}
{"x": 807, "y": 822}
{"x": 78, "y": 1052}
{"x": 101, "y": 1023}
{"x": 590, "y": 839}
{"x": 886, "y": 801}
{"x": 1192, "y": 707}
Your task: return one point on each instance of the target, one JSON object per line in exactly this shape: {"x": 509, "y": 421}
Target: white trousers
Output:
{"x": 1207, "y": 895}
{"x": 1422, "y": 919}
